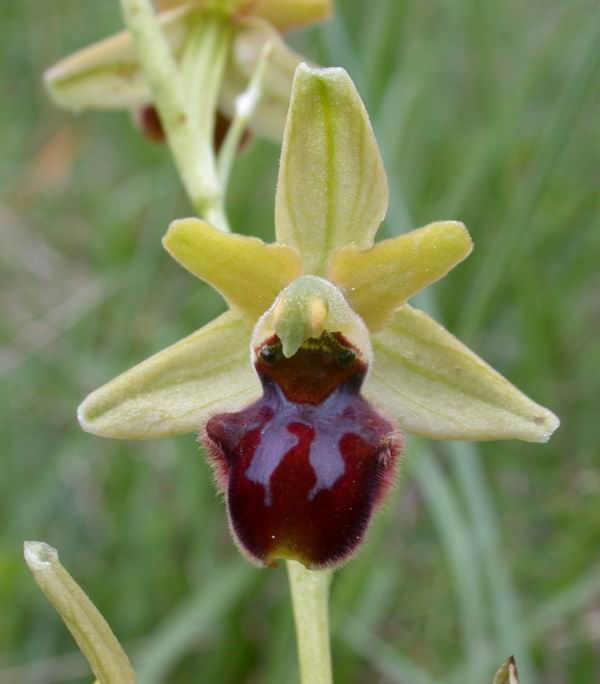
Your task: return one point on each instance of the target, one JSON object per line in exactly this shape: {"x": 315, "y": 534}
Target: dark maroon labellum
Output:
{"x": 304, "y": 466}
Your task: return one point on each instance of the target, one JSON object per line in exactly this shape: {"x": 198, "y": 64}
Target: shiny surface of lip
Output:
{"x": 305, "y": 466}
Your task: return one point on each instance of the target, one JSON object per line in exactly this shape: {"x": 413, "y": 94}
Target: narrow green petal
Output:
{"x": 332, "y": 188}
{"x": 174, "y": 391}
{"x": 94, "y": 637}
{"x": 378, "y": 281}
{"x": 248, "y": 272}
{"x": 434, "y": 386}
{"x": 250, "y": 36}
{"x": 107, "y": 75}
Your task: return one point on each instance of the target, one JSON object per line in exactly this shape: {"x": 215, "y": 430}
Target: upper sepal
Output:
{"x": 332, "y": 188}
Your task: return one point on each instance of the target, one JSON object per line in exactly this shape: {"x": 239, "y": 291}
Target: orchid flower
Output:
{"x": 302, "y": 389}
{"x": 108, "y": 74}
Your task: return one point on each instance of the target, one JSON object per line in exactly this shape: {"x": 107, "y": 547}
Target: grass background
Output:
{"x": 485, "y": 112}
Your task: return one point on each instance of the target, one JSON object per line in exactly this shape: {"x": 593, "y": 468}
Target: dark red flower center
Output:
{"x": 304, "y": 466}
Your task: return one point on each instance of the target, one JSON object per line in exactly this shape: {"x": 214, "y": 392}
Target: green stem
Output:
{"x": 186, "y": 100}
{"x": 202, "y": 69}
{"x": 310, "y": 599}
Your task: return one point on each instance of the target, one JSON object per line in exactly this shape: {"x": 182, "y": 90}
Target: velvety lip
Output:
{"x": 305, "y": 466}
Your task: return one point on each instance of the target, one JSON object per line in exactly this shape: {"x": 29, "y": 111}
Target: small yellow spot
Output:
{"x": 316, "y": 316}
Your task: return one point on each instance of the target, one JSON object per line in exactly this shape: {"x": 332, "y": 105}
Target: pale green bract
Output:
{"x": 90, "y": 630}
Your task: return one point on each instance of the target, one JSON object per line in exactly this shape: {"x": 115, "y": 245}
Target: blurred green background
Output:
{"x": 485, "y": 112}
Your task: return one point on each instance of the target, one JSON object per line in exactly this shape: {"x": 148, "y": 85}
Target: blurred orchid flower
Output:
{"x": 508, "y": 673}
{"x": 299, "y": 389}
{"x": 108, "y": 75}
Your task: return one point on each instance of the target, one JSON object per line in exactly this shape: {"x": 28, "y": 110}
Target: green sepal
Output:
{"x": 176, "y": 390}
{"x": 332, "y": 187}
{"x": 435, "y": 386}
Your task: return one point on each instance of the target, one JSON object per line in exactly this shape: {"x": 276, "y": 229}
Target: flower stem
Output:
{"x": 310, "y": 599}
{"x": 186, "y": 111}
{"x": 202, "y": 68}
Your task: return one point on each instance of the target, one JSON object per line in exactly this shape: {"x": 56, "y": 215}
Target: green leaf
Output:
{"x": 434, "y": 386}
{"x": 174, "y": 391}
{"x": 332, "y": 188}
{"x": 90, "y": 630}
